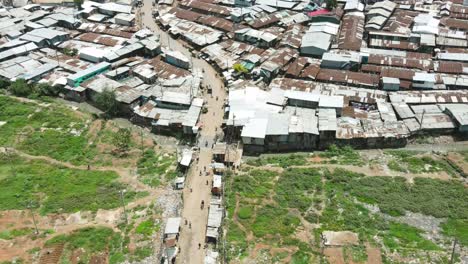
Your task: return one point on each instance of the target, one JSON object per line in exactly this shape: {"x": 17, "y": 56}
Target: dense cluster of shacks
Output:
{"x": 96, "y": 48}
{"x": 366, "y": 73}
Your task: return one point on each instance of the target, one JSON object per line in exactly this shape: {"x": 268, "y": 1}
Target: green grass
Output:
{"x": 90, "y": 240}
{"x": 57, "y": 189}
{"x": 301, "y": 257}
{"x": 11, "y": 234}
{"x": 416, "y": 162}
{"x": 358, "y": 253}
{"x": 270, "y": 204}
{"x": 147, "y": 228}
{"x": 283, "y": 161}
{"x": 236, "y": 241}
{"x": 296, "y": 187}
{"x": 256, "y": 184}
{"x": 155, "y": 169}
{"x": 427, "y": 196}
{"x": 45, "y": 131}
{"x": 141, "y": 253}
{"x": 276, "y": 221}
{"x": 402, "y": 235}
{"x": 342, "y": 155}
{"x": 457, "y": 228}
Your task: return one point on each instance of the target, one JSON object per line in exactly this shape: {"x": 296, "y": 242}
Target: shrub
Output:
{"x": 106, "y": 100}
{"x": 45, "y": 89}
{"x": 20, "y": 88}
{"x": 245, "y": 212}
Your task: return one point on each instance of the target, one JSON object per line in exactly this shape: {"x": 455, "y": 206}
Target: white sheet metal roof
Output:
{"x": 172, "y": 225}
{"x": 278, "y": 124}
{"x": 255, "y": 128}
{"x": 327, "y": 120}
{"x": 331, "y": 101}
{"x": 215, "y": 216}
{"x": 217, "y": 181}
{"x": 186, "y": 157}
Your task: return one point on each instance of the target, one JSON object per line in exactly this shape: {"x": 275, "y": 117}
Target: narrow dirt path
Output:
{"x": 366, "y": 170}
{"x": 126, "y": 175}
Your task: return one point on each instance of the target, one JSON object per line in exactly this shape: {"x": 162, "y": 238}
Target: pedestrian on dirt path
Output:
{"x": 89, "y": 167}
{"x": 190, "y": 225}
{"x": 207, "y": 182}
{"x": 199, "y": 245}
{"x": 190, "y": 189}
{"x": 186, "y": 221}
{"x": 200, "y": 173}
{"x": 204, "y": 168}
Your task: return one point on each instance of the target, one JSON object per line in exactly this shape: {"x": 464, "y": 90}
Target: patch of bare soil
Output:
{"x": 99, "y": 258}
{"x": 51, "y": 254}
{"x": 334, "y": 255}
{"x": 459, "y": 161}
{"x": 342, "y": 238}
{"x": 94, "y": 129}
{"x": 373, "y": 255}
{"x": 316, "y": 159}
{"x": 142, "y": 140}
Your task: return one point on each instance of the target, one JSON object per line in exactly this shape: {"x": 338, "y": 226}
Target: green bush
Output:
{"x": 45, "y": 89}
{"x": 21, "y": 88}
{"x": 107, "y": 102}
{"x": 4, "y": 84}
{"x": 245, "y": 212}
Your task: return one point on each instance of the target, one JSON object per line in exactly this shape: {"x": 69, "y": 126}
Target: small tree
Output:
{"x": 331, "y": 4}
{"x": 45, "y": 89}
{"x": 122, "y": 140}
{"x": 239, "y": 68}
{"x": 108, "y": 103}
{"x": 70, "y": 52}
{"x": 4, "y": 84}
{"x": 20, "y": 88}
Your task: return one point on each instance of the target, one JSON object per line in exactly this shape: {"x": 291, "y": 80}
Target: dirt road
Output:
{"x": 211, "y": 123}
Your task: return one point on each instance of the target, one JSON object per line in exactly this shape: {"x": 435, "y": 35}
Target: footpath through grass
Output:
{"x": 53, "y": 130}
{"x": 57, "y": 189}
